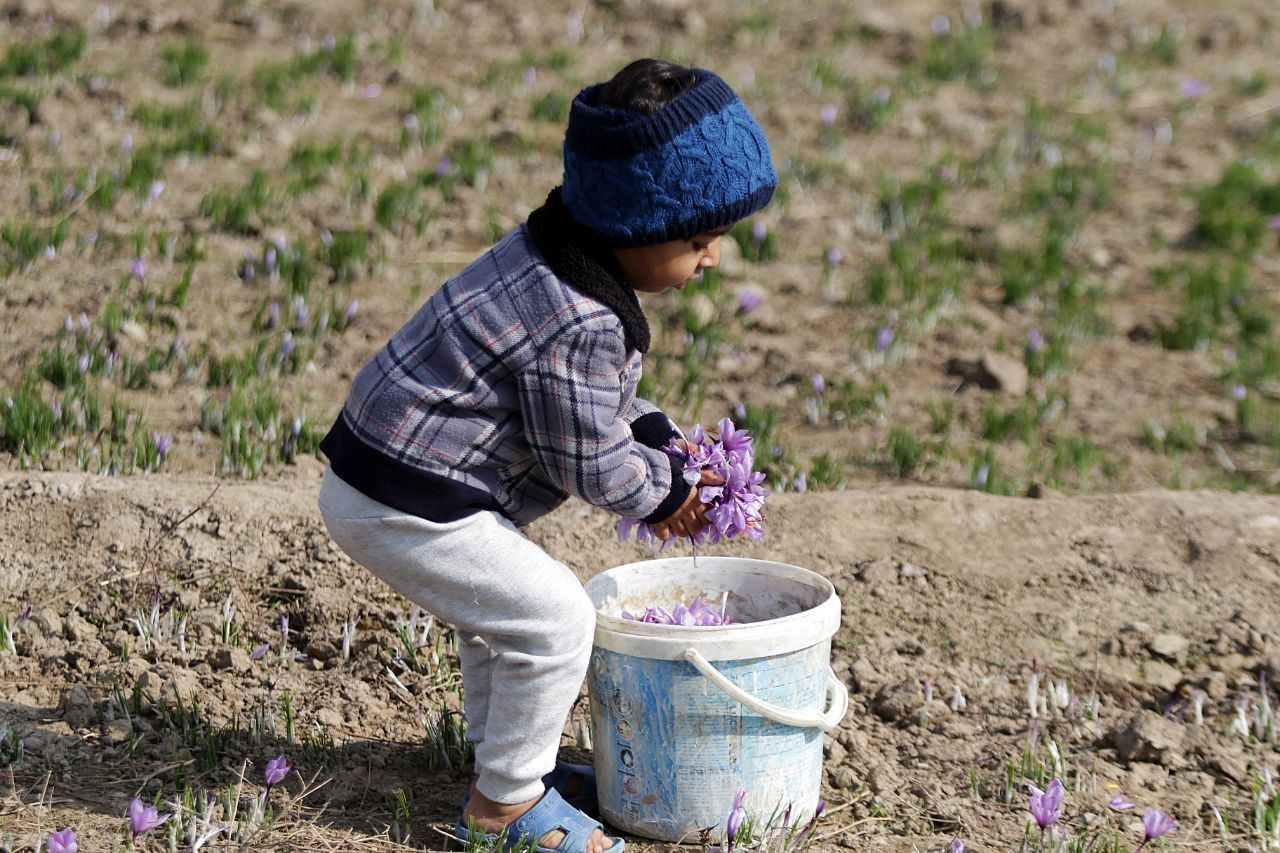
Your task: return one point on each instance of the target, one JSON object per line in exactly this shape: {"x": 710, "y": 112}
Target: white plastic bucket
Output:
{"x": 684, "y": 717}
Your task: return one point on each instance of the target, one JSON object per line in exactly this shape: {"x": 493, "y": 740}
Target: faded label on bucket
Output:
{"x": 671, "y": 749}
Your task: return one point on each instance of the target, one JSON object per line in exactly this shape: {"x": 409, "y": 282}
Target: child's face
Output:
{"x": 662, "y": 266}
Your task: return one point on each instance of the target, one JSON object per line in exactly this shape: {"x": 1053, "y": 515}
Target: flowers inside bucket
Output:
{"x": 699, "y": 613}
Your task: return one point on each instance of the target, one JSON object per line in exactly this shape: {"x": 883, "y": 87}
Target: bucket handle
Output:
{"x": 837, "y": 695}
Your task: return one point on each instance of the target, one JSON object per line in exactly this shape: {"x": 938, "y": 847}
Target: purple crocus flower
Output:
{"x": 981, "y": 476}
{"x": 1192, "y": 89}
{"x": 144, "y": 818}
{"x": 827, "y": 114}
{"x": 940, "y": 25}
{"x": 349, "y": 314}
{"x": 1046, "y": 806}
{"x": 163, "y": 444}
{"x": 738, "y": 814}
{"x": 1156, "y": 823}
{"x": 1239, "y": 392}
{"x": 834, "y": 257}
{"x": 82, "y": 364}
{"x": 260, "y": 652}
{"x": 269, "y": 259}
{"x": 748, "y": 301}
{"x": 25, "y": 613}
{"x": 1274, "y": 223}
{"x": 444, "y": 167}
{"x": 739, "y": 411}
{"x": 155, "y": 191}
{"x": 273, "y": 315}
{"x": 138, "y": 269}
{"x": 529, "y": 75}
{"x": 956, "y": 846}
{"x": 759, "y": 231}
{"x": 1035, "y": 341}
{"x": 277, "y": 769}
{"x": 819, "y": 385}
{"x": 63, "y": 842}
{"x": 1119, "y": 804}
{"x": 884, "y": 338}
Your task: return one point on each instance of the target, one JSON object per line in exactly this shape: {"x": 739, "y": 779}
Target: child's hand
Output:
{"x": 691, "y": 517}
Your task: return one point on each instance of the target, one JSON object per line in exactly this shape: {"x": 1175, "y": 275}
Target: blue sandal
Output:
{"x": 586, "y": 800}
{"x": 551, "y": 813}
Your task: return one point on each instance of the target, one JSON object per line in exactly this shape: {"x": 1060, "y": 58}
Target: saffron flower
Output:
{"x": 138, "y": 269}
{"x": 1155, "y": 823}
{"x": 1274, "y": 223}
{"x": 1119, "y": 803}
{"x": 884, "y": 337}
{"x": 260, "y": 652}
{"x": 163, "y": 444}
{"x": 277, "y": 769}
{"x": 759, "y": 231}
{"x": 63, "y": 842}
{"x": 956, "y": 846}
{"x": 697, "y": 614}
{"x": 748, "y": 301}
{"x": 1046, "y": 806}
{"x": 735, "y": 504}
{"x": 827, "y": 114}
{"x": 940, "y": 25}
{"x": 738, "y": 814}
{"x": 144, "y": 818}
{"x": 1192, "y": 89}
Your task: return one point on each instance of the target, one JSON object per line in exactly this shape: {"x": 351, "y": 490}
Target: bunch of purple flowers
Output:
{"x": 697, "y": 614}
{"x": 736, "y": 503}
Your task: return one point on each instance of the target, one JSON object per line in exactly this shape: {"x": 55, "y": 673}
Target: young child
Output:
{"x": 512, "y": 388}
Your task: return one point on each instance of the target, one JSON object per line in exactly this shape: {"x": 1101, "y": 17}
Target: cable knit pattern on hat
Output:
{"x": 698, "y": 164}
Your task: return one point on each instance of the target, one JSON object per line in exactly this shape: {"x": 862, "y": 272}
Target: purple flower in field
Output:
{"x": 260, "y": 652}
{"x": 286, "y": 346}
{"x": 25, "y": 613}
{"x": 163, "y": 443}
{"x": 63, "y": 842}
{"x": 1239, "y": 392}
{"x": 1035, "y": 341}
{"x": 300, "y": 310}
{"x": 138, "y": 269}
{"x": 273, "y": 315}
{"x": 349, "y": 314}
{"x": 980, "y": 478}
{"x": 126, "y": 143}
{"x": 739, "y": 411}
{"x": 1119, "y": 804}
{"x": 759, "y": 231}
{"x": 155, "y": 191}
{"x": 1046, "y": 806}
{"x": 1155, "y": 823}
{"x": 328, "y": 43}
{"x": 277, "y": 769}
{"x": 1192, "y": 89}
{"x": 881, "y": 95}
{"x": 940, "y": 25}
{"x": 56, "y": 408}
{"x": 269, "y": 259}
{"x": 444, "y": 167}
{"x": 884, "y": 337}
{"x": 82, "y": 364}
{"x": 529, "y": 75}
{"x": 371, "y": 91}
{"x": 801, "y": 484}
{"x": 410, "y": 122}
{"x": 749, "y": 301}
{"x": 83, "y": 321}
{"x": 834, "y": 257}
{"x": 827, "y": 114}
{"x": 956, "y": 846}
{"x": 297, "y": 431}
{"x": 1274, "y": 223}
{"x": 326, "y": 236}
{"x": 819, "y": 384}
{"x": 284, "y": 627}
{"x": 144, "y": 818}
{"x": 738, "y": 814}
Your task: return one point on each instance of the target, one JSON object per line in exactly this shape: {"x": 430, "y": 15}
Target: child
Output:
{"x": 514, "y": 387}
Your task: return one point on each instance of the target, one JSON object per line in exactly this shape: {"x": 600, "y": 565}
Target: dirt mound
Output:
{"x": 140, "y": 664}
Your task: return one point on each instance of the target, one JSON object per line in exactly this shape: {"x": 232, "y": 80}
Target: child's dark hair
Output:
{"x": 646, "y": 86}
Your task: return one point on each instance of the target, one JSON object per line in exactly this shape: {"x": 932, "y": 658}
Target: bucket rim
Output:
{"x": 736, "y": 641}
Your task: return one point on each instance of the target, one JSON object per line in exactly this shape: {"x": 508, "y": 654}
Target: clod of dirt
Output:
{"x": 898, "y": 701}
{"x": 76, "y": 707}
{"x": 234, "y": 659}
{"x": 1171, "y": 647}
{"x": 1161, "y": 675}
{"x": 994, "y": 371}
{"x": 1146, "y": 736}
{"x": 864, "y": 677}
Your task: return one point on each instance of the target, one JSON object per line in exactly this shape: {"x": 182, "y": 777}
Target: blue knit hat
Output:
{"x": 697, "y": 164}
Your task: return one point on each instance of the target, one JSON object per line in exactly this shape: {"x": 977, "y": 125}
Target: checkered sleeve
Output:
{"x": 574, "y": 418}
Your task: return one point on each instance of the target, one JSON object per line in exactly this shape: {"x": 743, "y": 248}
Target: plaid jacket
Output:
{"x": 511, "y": 388}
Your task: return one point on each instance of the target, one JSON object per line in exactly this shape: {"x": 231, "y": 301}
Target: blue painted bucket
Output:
{"x": 684, "y": 717}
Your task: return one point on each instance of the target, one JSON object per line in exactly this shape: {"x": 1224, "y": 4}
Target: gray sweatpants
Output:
{"x": 524, "y": 624}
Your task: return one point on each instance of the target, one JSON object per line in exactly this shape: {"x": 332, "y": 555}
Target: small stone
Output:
{"x": 329, "y": 718}
{"x": 878, "y": 572}
{"x": 118, "y": 731}
{"x": 843, "y": 777}
{"x": 1162, "y": 675}
{"x": 1008, "y": 373}
{"x": 1146, "y": 736}
{"x": 234, "y": 659}
{"x": 77, "y": 707}
{"x": 865, "y": 678}
{"x": 1171, "y": 647}
{"x": 910, "y": 570}
{"x": 898, "y": 701}
{"x": 836, "y": 753}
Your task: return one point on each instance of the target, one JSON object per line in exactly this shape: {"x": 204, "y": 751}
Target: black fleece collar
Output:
{"x": 588, "y": 267}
